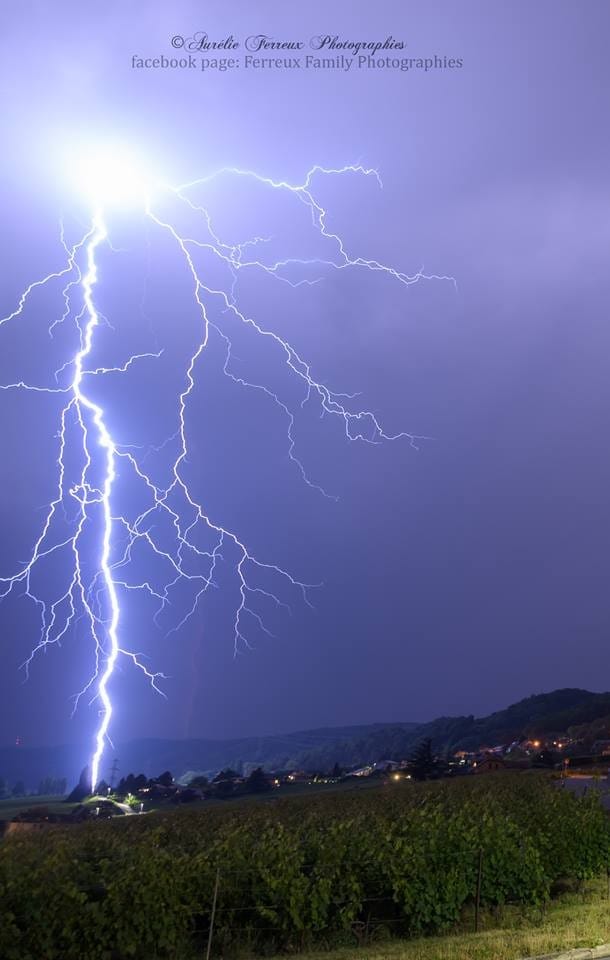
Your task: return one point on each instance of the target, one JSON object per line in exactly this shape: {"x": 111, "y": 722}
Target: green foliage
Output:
{"x": 257, "y": 782}
{"x": 293, "y": 872}
{"x": 423, "y": 764}
{"x": 198, "y": 781}
{"x": 82, "y": 788}
{"x": 227, "y": 774}
{"x": 132, "y": 783}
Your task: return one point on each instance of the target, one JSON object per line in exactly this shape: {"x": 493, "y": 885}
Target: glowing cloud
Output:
{"x": 108, "y": 175}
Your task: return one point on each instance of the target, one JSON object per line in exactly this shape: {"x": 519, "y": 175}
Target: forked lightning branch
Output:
{"x": 82, "y": 525}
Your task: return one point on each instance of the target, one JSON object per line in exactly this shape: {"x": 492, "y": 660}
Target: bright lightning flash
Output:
{"x": 108, "y": 175}
{"x": 86, "y": 500}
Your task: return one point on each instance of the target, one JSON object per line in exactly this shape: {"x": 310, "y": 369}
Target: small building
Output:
{"x": 298, "y": 776}
{"x": 489, "y": 764}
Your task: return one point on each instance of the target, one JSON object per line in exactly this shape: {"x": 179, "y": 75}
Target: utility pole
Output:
{"x": 113, "y": 772}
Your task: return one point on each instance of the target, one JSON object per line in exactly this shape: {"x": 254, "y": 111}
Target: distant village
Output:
{"x": 423, "y": 764}
{"x": 137, "y": 793}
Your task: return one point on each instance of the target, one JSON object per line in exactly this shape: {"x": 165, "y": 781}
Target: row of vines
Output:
{"x": 285, "y": 874}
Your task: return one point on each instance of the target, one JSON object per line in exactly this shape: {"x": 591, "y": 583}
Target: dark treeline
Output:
{"x": 48, "y": 787}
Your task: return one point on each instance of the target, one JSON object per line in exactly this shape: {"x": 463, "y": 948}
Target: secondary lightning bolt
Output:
{"x": 95, "y": 596}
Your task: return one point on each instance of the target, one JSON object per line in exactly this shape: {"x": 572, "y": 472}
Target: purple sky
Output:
{"x": 457, "y": 578}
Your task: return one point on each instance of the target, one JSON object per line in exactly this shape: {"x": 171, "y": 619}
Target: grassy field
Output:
{"x": 285, "y": 792}
{"x": 10, "y": 807}
{"x": 572, "y": 920}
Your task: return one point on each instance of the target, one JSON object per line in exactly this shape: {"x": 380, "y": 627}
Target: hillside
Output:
{"x": 541, "y": 714}
{"x": 537, "y": 715}
{"x": 152, "y": 756}
{"x": 320, "y": 749}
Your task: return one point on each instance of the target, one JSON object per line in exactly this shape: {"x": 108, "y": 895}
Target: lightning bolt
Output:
{"x": 85, "y": 498}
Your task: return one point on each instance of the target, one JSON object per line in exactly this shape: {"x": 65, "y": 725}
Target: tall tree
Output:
{"x": 423, "y": 764}
{"x": 224, "y": 782}
{"x": 258, "y": 782}
{"x": 82, "y": 788}
{"x": 227, "y": 774}
{"x": 199, "y": 781}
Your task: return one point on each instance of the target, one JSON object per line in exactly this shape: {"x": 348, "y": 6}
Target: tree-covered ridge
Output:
{"x": 577, "y": 712}
{"x": 538, "y": 715}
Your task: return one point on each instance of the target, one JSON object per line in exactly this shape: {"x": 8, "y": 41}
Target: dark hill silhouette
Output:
{"x": 319, "y": 749}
